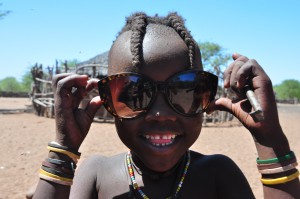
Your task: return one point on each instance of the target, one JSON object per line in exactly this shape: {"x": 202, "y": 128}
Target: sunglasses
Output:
{"x": 128, "y": 95}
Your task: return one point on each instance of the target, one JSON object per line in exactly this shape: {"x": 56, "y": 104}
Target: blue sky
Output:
{"x": 43, "y": 31}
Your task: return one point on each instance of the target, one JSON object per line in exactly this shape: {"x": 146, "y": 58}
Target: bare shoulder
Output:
{"x": 95, "y": 170}
{"x": 220, "y": 175}
{"x": 98, "y": 161}
{"x": 211, "y": 165}
{"x": 97, "y": 166}
{"x": 214, "y": 161}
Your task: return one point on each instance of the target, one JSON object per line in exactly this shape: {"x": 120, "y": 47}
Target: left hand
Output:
{"x": 245, "y": 71}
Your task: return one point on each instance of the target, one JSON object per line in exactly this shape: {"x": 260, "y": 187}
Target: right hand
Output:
{"x": 72, "y": 122}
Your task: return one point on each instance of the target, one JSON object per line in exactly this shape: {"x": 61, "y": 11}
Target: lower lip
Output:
{"x": 162, "y": 143}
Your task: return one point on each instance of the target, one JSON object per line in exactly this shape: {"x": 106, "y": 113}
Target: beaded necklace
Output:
{"x": 136, "y": 186}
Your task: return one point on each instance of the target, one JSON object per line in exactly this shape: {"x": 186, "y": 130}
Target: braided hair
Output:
{"x": 138, "y": 22}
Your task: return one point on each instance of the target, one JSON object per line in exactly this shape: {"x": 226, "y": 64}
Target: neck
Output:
{"x": 142, "y": 169}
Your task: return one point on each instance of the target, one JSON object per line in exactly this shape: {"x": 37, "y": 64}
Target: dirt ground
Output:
{"x": 24, "y": 137}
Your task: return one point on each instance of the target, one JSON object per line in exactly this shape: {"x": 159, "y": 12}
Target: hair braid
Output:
{"x": 138, "y": 22}
{"x": 138, "y": 27}
{"x": 176, "y": 22}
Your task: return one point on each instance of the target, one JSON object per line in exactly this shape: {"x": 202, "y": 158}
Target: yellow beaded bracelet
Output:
{"x": 280, "y": 180}
{"x": 55, "y": 178}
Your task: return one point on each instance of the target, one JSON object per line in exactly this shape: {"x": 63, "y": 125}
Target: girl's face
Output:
{"x": 160, "y": 137}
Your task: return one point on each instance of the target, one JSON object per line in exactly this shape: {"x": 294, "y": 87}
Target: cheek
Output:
{"x": 127, "y": 132}
{"x": 193, "y": 128}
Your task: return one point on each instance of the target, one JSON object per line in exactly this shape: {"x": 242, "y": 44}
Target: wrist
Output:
{"x": 69, "y": 144}
{"x": 276, "y": 145}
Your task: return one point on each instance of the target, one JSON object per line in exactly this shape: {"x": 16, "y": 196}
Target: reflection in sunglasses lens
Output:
{"x": 190, "y": 93}
{"x": 129, "y": 95}
{"x": 133, "y": 95}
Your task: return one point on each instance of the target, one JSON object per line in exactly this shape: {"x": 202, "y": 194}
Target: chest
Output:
{"x": 118, "y": 185}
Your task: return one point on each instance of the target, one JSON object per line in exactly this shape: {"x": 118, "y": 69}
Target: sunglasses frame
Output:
{"x": 160, "y": 86}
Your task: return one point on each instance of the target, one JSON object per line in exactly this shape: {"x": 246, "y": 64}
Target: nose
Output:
{"x": 160, "y": 110}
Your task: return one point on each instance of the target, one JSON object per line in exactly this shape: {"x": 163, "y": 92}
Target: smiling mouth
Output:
{"x": 160, "y": 140}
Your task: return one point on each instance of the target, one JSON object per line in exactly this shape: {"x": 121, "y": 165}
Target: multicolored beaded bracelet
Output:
{"x": 66, "y": 164}
{"x": 276, "y": 165}
{"x": 279, "y": 169}
{"x": 286, "y": 157}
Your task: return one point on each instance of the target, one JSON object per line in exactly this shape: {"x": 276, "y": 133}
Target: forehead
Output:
{"x": 164, "y": 53}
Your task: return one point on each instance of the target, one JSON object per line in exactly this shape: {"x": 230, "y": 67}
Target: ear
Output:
{"x": 197, "y": 58}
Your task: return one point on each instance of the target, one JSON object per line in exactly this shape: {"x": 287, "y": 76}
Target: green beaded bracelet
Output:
{"x": 288, "y": 156}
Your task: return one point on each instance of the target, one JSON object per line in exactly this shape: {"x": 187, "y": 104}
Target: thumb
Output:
{"x": 235, "y": 56}
{"x": 93, "y": 106}
{"x": 221, "y": 104}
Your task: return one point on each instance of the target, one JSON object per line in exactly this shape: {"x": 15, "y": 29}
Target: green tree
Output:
{"x": 288, "y": 89}
{"x": 10, "y": 84}
{"x": 3, "y": 13}
{"x": 26, "y": 81}
{"x": 214, "y": 58}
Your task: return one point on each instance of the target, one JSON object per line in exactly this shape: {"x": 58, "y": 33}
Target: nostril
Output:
{"x": 160, "y": 105}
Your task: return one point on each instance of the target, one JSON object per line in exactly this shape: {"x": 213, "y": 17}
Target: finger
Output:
{"x": 238, "y": 60}
{"x": 239, "y": 57}
{"x": 58, "y": 77}
{"x": 227, "y": 74}
{"x": 65, "y": 86}
{"x": 67, "y": 93}
{"x": 221, "y": 104}
{"x": 93, "y": 107}
{"x": 78, "y": 94}
{"x": 246, "y": 74}
{"x": 73, "y": 80}
{"x": 92, "y": 84}
{"x": 233, "y": 79}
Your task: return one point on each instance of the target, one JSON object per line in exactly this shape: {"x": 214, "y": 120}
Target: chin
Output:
{"x": 162, "y": 157}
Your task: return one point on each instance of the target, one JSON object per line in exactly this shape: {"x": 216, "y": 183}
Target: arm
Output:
{"x": 72, "y": 126}
{"x": 268, "y": 136}
{"x": 85, "y": 180}
{"x": 231, "y": 182}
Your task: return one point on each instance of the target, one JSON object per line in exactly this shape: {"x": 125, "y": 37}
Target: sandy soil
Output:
{"x": 24, "y": 136}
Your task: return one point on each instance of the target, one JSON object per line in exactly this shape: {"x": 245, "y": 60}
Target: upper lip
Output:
{"x": 161, "y": 130}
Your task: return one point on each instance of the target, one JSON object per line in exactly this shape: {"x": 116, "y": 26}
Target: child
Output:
{"x": 159, "y": 58}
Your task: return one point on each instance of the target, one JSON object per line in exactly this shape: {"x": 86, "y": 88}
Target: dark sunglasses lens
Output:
{"x": 129, "y": 95}
{"x": 190, "y": 93}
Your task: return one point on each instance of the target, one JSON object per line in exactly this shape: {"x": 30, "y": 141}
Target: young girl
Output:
{"x": 157, "y": 59}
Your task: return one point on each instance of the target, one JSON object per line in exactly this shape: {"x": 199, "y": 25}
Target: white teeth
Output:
{"x": 162, "y": 144}
{"x": 158, "y": 137}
